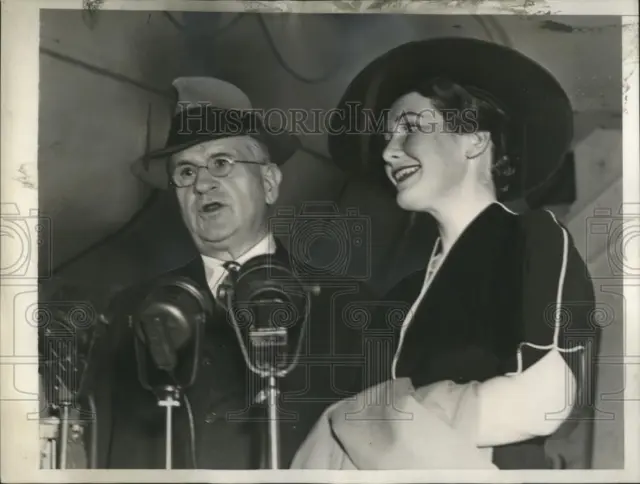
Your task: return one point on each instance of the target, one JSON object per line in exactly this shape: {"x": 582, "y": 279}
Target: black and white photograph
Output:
{"x": 320, "y": 236}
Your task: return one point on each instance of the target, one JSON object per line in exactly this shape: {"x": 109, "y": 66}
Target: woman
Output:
{"x": 504, "y": 303}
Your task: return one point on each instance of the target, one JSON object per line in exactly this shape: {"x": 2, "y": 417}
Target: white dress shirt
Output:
{"x": 216, "y": 272}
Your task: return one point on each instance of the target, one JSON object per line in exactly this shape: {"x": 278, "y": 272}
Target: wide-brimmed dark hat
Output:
{"x": 207, "y": 109}
{"x": 538, "y": 109}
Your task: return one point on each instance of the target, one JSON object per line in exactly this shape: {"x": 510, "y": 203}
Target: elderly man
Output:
{"x": 223, "y": 167}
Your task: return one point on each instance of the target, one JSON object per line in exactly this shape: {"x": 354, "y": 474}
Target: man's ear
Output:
{"x": 271, "y": 178}
{"x": 477, "y": 144}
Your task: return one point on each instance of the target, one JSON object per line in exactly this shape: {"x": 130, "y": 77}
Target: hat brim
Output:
{"x": 152, "y": 167}
{"x": 532, "y": 96}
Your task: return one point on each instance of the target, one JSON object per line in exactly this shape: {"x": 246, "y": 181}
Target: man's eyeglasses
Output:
{"x": 185, "y": 174}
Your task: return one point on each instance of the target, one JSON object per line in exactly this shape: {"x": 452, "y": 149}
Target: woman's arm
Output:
{"x": 531, "y": 404}
{"x": 550, "y": 372}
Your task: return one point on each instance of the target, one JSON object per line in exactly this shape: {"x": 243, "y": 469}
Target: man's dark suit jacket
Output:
{"x": 131, "y": 425}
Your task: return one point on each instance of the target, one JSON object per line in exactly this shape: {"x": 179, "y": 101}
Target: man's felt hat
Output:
{"x": 208, "y": 109}
{"x": 538, "y": 109}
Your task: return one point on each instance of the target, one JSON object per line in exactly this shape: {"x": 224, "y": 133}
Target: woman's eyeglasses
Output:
{"x": 185, "y": 174}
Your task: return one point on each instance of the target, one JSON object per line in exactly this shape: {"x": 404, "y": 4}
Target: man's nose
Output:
{"x": 205, "y": 181}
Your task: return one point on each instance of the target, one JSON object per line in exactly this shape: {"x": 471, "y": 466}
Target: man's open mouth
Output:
{"x": 211, "y": 207}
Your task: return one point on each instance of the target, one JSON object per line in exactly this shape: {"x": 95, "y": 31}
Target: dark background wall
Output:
{"x": 104, "y": 80}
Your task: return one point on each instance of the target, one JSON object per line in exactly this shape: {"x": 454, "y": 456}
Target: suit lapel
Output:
{"x": 195, "y": 270}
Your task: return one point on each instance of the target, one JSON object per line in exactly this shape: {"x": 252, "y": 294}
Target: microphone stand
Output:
{"x": 271, "y": 396}
{"x": 48, "y": 438}
{"x": 274, "y": 428}
{"x": 170, "y": 401}
{"x": 64, "y": 434}
{"x": 61, "y": 440}
{"x": 169, "y": 397}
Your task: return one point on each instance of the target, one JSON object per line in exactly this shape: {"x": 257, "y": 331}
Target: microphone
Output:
{"x": 269, "y": 308}
{"x": 68, "y": 333}
{"x": 168, "y": 325}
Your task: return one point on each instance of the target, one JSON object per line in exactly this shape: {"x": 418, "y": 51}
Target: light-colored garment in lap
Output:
{"x": 393, "y": 426}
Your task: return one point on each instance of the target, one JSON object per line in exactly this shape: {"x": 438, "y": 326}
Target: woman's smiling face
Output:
{"x": 425, "y": 158}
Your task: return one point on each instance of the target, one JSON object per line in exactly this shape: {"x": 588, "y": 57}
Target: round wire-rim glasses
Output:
{"x": 181, "y": 179}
